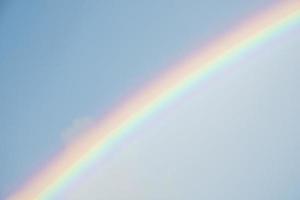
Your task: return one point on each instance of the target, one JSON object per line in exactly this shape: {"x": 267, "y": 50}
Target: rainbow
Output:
{"x": 83, "y": 151}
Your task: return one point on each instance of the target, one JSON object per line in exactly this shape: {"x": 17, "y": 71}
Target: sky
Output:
{"x": 64, "y": 64}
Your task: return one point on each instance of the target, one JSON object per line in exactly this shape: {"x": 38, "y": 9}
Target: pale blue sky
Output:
{"x": 63, "y": 60}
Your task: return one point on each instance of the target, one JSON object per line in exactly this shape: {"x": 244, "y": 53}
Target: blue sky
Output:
{"x": 65, "y": 61}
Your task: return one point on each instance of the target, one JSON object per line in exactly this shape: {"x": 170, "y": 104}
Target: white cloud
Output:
{"x": 77, "y": 127}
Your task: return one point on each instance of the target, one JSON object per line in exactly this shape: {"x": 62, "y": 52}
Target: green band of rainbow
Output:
{"x": 93, "y": 144}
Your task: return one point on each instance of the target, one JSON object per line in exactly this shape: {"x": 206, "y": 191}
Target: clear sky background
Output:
{"x": 64, "y": 63}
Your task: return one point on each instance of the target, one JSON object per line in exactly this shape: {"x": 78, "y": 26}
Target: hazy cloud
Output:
{"x": 77, "y": 127}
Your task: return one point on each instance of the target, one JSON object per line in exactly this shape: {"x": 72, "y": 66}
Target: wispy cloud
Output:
{"x": 77, "y": 127}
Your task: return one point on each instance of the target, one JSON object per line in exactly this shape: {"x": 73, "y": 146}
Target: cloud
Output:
{"x": 77, "y": 127}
